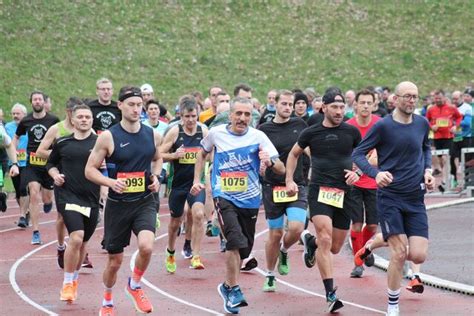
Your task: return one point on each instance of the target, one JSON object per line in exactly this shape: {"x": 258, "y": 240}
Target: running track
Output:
{"x": 30, "y": 280}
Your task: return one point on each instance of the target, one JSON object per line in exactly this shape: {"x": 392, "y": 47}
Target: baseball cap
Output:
{"x": 470, "y": 92}
{"x": 330, "y": 96}
{"x": 146, "y": 88}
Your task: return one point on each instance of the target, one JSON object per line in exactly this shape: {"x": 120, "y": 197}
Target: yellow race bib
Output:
{"x": 37, "y": 161}
{"x": 135, "y": 181}
{"x": 331, "y": 196}
{"x": 280, "y": 196}
{"x": 236, "y": 181}
{"x": 21, "y": 156}
{"x": 442, "y": 122}
{"x": 190, "y": 156}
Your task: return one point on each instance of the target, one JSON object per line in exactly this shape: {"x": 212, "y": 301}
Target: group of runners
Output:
{"x": 319, "y": 169}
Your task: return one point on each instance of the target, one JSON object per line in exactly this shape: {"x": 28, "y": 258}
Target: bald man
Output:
{"x": 403, "y": 176}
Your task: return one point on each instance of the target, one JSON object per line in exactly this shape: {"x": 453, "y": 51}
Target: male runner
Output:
{"x": 35, "y": 125}
{"x": 180, "y": 147}
{"x": 283, "y": 131}
{"x": 77, "y": 199}
{"x": 239, "y": 153}
{"x": 362, "y": 205}
{"x": 331, "y": 144}
{"x": 403, "y": 175}
{"x": 58, "y": 130}
{"x": 18, "y": 113}
{"x": 130, "y": 148}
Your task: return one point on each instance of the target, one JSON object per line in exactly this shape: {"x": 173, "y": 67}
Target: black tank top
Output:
{"x": 131, "y": 161}
{"x": 183, "y": 168}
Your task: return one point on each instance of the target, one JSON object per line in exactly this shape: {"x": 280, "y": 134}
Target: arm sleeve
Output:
{"x": 427, "y": 147}
{"x": 20, "y": 130}
{"x": 54, "y": 157}
{"x": 467, "y": 119}
{"x": 303, "y": 139}
{"x": 268, "y": 146}
{"x": 369, "y": 142}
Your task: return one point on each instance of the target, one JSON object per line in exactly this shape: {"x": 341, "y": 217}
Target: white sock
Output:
{"x": 283, "y": 249}
{"x": 270, "y": 273}
{"x": 76, "y": 275}
{"x": 68, "y": 276}
{"x": 61, "y": 247}
{"x": 134, "y": 285}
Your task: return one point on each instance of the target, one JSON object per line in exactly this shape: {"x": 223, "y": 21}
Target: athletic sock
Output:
{"x": 107, "y": 296}
{"x": 68, "y": 277}
{"x": 61, "y": 247}
{"x": 283, "y": 249}
{"x": 365, "y": 254}
{"x": 270, "y": 273}
{"x": 357, "y": 241}
{"x": 328, "y": 286}
{"x": 393, "y": 297}
{"x": 170, "y": 252}
{"x": 367, "y": 234}
{"x": 187, "y": 242}
{"x": 76, "y": 275}
{"x": 136, "y": 277}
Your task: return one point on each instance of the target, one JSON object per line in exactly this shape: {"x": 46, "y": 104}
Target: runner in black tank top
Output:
{"x": 180, "y": 146}
{"x": 134, "y": 163}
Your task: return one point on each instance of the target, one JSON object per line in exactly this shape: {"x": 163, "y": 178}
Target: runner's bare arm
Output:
{"x": 197, "y": 185}
{"x": 168, "y": 141}
{"x": 103, "y": 148}
{"x": 291, "y": 186}
{"x": 44, "y": 150}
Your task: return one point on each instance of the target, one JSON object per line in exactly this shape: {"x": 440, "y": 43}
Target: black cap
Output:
{"x": 470, "y": 92}
{"x": 330, "y": 96}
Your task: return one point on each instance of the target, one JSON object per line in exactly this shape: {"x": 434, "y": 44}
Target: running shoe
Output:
{"x": 107, "y": 310}
{"x": 394, "y": 311}
{"x": 139, "y": 299}
{"x": 441, "y": 187}
{"x": 223, "y": 245}
{"x": 47, "y": 207}
{"x": 362, "y": 256}
{"x": 61, "y": 257}
{"x": 283, "y": 265}
{"x": 36, "y": 238}
{"x": 309, "y": 254}
{"x": 3, "y": 201}
{"x": 415, "y": 285}
{"x": 251, "y": 264}
{"x": 75, "y": 284}
{"x": 22, "y": 222}
{"x": 333, "y": 302}
{"x": 196, "y": 263}
{"x": 215, "y": 231}
{"x": 187, "y": 252}
{"x": 87, "y": 263}
{"x": 67, "y": 293}
{"x": 236, "y": 297}
{"x": 357, "y": 272}
{"x": 209, "y": 229}
{"x": 224, "y": 292}
{"x": 270, "y": 284}
{"x": 170, "y": 262}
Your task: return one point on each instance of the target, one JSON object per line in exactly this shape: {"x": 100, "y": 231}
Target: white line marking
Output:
{"x": 19, "y": 228}
{"x": 156, "y": 289}
{"x": 15, "y": 286}
{"x": 310, "y": 292}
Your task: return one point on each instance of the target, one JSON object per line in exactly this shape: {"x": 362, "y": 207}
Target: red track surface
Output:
{"x": 39, "y": 279}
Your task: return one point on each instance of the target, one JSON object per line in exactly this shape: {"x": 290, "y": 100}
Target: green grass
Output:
{"x": 63, "y": 47}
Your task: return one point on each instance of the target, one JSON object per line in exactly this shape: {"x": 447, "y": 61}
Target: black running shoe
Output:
{"x": 250, "y": 265}
{"x": 61, "y": 257}
{"x": 3, "y": 201}
{"x": 369, "y": 260}
{"x": 309, "y": 255}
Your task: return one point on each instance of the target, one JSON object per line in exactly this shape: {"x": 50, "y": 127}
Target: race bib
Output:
{"x": 331, "y": 196}
{"x": 280, "y": 196}
{"x": 190, "y": 156}
{"x": 135, "y": 181}
{"x": 37, "y": 161}
{"x": 86, "y": 211}
{"x": 21, "y": 156}
{"x": 236, "y": 181}
{"x": 442, "y": 122}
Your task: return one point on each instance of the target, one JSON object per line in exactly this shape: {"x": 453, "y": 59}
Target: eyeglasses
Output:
{"x": 409, "y": 97}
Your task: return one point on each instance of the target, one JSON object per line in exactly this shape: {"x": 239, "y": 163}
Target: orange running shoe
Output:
{"x": 139, "y": 299}
{"x": 107, "y": 310}
{"x": 67, "y": 292}
{"x": 415, "y": 285}
{"x": 196, "y": 263}
{"x": 74, "y": 286}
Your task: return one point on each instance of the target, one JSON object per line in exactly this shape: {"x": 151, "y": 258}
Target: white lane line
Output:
{"x": 314, "y": 293}
{"x": 157, "y": 289}
{"x": 17, "y": 289}
{"x": 19, "y": 228}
